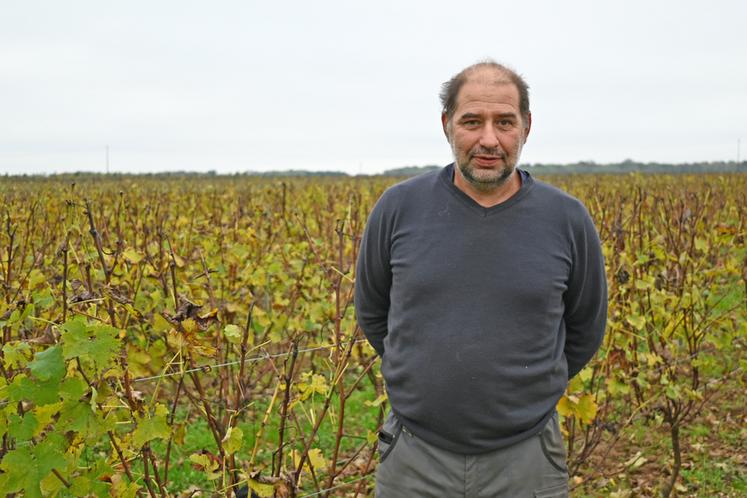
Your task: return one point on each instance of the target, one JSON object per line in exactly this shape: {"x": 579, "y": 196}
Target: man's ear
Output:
{"x": 527, "y": 127}
{"x": 445, "y": 125}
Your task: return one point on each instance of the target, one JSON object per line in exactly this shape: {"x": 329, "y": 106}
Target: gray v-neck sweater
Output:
{"x": 480, "y": 315}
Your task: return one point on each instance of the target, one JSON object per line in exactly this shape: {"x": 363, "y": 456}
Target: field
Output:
{"x": 195, "y": 336}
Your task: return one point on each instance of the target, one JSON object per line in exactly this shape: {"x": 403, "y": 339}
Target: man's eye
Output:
{"x": 472, "y": 122}
{"x": 505, "y": 123}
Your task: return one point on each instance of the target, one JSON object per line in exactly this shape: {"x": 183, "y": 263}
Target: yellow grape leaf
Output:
{"x": 16, "y": 354}
{"x": 213, "y": 313}
{"x": 652, "y": 359}
{"x": 585, "y": 374}
{"x": 35, "y": 278}
{"x": 576, "y": 384}
{"x": 132, "y": 256}
{"x": 636, "y": 461}
{"x": 44, "y": 415}
{"x": 377, "y": 402}
{"x": 565, "y": 407}
{"x": 312, "y": 383}
{"x": 233, "y": 440}
{"x": 50, "y": 485}
{"x": 122, "y": 488}
{"x": 587, "y": 408}
{"x": 583, "y": 408}
{"x": 208, "y": 464}
{"x": 263, "y": 490}
{"x": 317, "y": 458}
{"x": 636, "y": 321}
{"x": 159, "y": 323}
{"x": 642, "y": 284}
{"x": 203, "y": 350}
{"x": 179, "y": 431}
{"x": 371, "y": 437}
{"x": 190, "y": 326}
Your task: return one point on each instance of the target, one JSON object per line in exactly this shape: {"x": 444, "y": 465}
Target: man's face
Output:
{"x": 486, "y": 132}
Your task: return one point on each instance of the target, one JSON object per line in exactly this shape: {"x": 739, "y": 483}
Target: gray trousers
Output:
{"x": 411, "y": 468}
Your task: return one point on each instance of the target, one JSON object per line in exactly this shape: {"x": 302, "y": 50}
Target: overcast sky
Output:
{"x": 353, "y": 86}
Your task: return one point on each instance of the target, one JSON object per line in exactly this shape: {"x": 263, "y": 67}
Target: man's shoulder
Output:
{"x": 412, "y": 187}
{"x": 419, "y": 181}
{"x": 556, "y": 198}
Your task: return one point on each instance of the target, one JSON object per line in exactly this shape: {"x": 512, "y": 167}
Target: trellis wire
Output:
{"x": 206, "y": 368}
{"x": 346, "y": 483}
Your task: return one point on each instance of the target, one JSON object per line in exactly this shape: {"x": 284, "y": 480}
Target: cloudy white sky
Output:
{"x": 353, "y": 86}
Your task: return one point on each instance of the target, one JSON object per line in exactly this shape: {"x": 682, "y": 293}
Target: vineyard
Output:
{"x": 196, "y": 337}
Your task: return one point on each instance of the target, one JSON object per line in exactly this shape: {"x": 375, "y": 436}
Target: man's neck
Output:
{"x": 489, "y": 198}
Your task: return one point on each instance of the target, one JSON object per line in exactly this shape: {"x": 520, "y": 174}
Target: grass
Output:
{"x": 714, "y": 455}
{"x": 360, "y": 418}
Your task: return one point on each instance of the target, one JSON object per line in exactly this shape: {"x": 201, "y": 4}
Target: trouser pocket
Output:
{"x": 388, "y": 435}
{"x": 559, "y": 491}
{"x": 553, "y": 445}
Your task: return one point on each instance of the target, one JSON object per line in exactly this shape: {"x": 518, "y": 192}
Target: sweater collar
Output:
{"x": 447, "y": 178}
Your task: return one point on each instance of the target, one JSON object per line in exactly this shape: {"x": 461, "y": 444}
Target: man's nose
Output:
{"x": 488, "y": 137}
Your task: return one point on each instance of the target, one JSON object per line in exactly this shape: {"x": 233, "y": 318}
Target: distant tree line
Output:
{"x": 630, "y": 166}
{"x": 626, "y": 166}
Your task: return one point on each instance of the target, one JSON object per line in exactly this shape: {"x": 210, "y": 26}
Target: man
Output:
{"x": 483, "y": 291}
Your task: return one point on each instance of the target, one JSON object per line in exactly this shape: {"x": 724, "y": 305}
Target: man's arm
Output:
{"x": 373, "y": 278}
{"x": 585, "y": 299}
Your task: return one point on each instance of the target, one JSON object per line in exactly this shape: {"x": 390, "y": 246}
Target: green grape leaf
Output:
{"x": 80, "y": 486}
{"x": 27, "y": 311}
{"x": 90, "y": 484}
{"x": 98, "y": 343}
{"x": 25, "y": 467}
{"x": 233, "y": 333}
{"x": 3, "y": 428}
{"x": 19, "y": 465}
{"x": 16, "y": 354}
{"x": 43, "y": 299}
{"x": 233, "y": 440}
{"x": 75, "y": 325}
{"x": 77, "y": 416}
{"x": 40, "y": 392}
{"x": 149, "y": 428}
{"x": 75, "y": 339}
{"x": 22, "y": 428}
{"x": 48, "y": 364}
{"x": 104, "y": 346}
{"x": 73, "y": 388}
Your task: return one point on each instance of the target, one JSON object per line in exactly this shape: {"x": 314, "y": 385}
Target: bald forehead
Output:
{"x": 488, "y": 74}
{"x": 485, "y": 78}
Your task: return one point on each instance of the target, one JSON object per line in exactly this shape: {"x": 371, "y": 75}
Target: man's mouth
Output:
{"x": 485, "y": 160}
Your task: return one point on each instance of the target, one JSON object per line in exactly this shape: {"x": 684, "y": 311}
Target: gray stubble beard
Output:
{"x": 484, "y": 185}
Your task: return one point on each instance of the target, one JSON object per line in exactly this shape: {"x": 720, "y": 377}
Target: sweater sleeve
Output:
{"x": 585, "y": 299}
{"x": 373, "y": 278}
